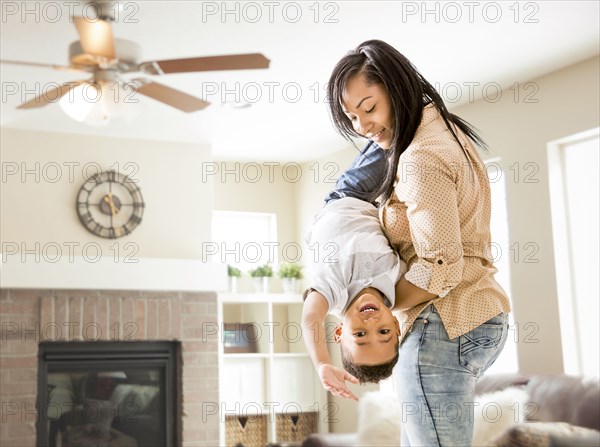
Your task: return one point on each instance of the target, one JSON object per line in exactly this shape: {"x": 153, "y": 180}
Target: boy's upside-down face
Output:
{"x": 369, "y": 332}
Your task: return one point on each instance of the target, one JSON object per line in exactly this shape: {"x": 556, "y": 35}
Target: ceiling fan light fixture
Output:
{"x": 97, "y": 117}
{"x": 79, "y": 102}
{"x": 95, "y": 103}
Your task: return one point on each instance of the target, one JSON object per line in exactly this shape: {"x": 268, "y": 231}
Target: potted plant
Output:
{"x": 233, "y": 274}
{"x": 290, "y": 274}
{"x": 261, "y": 278}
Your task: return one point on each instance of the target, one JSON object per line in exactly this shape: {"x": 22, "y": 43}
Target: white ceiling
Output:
{"x": 280, "y": 126}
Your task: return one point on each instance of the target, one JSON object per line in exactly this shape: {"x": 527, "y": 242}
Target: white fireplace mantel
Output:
{"x": 106, "y": 273}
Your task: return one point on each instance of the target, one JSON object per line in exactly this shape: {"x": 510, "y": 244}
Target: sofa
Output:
{"x": 565, "y": 412}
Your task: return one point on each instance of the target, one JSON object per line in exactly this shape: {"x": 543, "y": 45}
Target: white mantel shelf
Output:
{"x": 186, "y": 275}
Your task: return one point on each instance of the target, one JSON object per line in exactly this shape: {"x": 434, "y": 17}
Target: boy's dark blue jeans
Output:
{"x": 364, "y": 175}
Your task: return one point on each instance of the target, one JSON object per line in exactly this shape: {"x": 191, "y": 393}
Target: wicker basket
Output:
{"x": 249, "y": 431}
{"x": 295, "y": 426}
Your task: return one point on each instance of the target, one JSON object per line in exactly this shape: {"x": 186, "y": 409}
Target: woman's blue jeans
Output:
{"x": 435, "y": 378}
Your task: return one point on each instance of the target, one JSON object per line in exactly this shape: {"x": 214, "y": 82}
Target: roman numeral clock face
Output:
{"x": 110, "y": 205}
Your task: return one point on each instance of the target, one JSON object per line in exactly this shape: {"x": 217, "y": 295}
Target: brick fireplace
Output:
{"x": 31, "y": 316}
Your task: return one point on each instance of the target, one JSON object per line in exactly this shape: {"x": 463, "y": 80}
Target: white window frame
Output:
{"x": 567, "y": 301}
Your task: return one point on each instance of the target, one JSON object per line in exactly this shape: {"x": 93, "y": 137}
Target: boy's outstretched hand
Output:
{"x": 334, "y": 380}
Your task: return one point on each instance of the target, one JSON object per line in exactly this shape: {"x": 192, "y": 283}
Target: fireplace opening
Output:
{"x": 107, "y": 394}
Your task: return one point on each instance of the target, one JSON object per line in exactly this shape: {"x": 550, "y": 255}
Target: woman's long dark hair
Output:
{"x": 409, "y": 92}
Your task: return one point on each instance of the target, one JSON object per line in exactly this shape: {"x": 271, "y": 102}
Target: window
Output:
{"x": 574, "y": 186}
{"x": 243, "y": 239}
{"x": 508, "y": 361}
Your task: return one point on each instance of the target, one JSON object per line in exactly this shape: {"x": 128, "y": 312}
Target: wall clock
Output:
{"x": 110, "y": 205}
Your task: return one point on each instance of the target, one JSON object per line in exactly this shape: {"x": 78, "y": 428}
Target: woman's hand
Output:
{"x": 334, "y": 380}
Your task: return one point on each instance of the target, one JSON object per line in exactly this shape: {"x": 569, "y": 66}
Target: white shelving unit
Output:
{"x": 279, "y": 378}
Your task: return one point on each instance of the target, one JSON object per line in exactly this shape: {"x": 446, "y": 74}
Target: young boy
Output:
{"x": 355, "y": 274}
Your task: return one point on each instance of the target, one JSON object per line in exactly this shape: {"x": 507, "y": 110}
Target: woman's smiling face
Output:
{"x": 369, "y": 109}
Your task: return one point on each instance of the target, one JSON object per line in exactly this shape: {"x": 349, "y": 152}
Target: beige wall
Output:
{"x": 38, "y": 208}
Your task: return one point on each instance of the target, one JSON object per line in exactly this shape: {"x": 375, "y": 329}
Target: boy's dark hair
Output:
{"x": 368, "y": 373}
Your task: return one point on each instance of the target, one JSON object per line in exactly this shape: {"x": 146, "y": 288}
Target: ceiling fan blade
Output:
{"x": 210, "y": 63}
{"x": 96, "y": 37}
{"x": 170, "y": 96}
{"x": 35, "y": 64}
{"x": 51, "y": 96}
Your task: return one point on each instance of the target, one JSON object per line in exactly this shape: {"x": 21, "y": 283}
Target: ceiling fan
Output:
{"x": 106, "y": 57}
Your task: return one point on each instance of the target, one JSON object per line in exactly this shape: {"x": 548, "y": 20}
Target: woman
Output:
{"x": 435, "y": 210}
